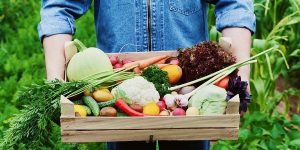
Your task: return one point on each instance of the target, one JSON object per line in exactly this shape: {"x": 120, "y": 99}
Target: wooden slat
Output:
{"x": 233, "y": 105}
{"x": 94, "y": 123}
{"x": 67, "y": 107}
{"x": 144, "y": 55}
{"x": 144, "y": 135}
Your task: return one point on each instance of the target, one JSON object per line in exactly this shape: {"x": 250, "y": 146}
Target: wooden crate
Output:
{"x": 108, "y": 129}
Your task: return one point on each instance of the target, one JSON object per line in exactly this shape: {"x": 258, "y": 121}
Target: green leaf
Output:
{"x": 262, "y": 145}
{"x": 296, "y": 119}
{"x": 294, "y": 134}
{"x": 243, "y": 134}
{"x": 259, "y": 87}
{"x": 258, "y": 117}
{"x": 259, "y": 44}
{"x": 266, "y": 132}
{"x": 294, "y": 20}
{"x": 271, "y": 144}
{"x": 295, "y": 142}
{"x": 296, "y": 66}
{"x": 277, "y": 131}
{"x": 295, "y": 53}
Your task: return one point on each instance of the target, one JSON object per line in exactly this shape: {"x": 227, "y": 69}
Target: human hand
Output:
{"x": 55, "y": 55}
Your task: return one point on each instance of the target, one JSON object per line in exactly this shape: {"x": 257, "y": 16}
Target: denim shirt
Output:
{"x": 145, "y": 25}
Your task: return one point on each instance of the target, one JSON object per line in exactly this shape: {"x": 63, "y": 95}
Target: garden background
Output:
{"x": 272, "y": 121}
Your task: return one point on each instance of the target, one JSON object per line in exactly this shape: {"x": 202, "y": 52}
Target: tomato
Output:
{"x": 223, "y": 83}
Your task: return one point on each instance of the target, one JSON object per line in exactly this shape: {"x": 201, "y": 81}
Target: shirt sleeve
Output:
{"x": 235, "y": 13}
{"x": 58, "y": 16}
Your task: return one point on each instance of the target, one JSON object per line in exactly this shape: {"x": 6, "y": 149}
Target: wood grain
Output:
{"x": 157, "y": 122}
{"x": 67, "y": 107}
{"x": 233, "y": 105}
{"x": 144, "y": 135}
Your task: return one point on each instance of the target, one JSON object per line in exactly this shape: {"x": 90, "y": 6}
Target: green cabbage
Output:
{"x": 210, "y": 100}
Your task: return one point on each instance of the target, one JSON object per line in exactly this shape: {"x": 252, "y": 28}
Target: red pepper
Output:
{"x": 121, "y": 104}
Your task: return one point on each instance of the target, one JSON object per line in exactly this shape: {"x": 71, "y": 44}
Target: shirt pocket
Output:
{"x": 185, "y": 7}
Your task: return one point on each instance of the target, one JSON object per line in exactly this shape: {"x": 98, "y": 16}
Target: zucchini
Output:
{"x": 92, "y": 104}
{"x": 107, "y": 103}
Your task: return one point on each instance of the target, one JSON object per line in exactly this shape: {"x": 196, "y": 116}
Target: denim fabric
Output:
{"x": 163, "y": 145}
{"x": 124, "y": 23}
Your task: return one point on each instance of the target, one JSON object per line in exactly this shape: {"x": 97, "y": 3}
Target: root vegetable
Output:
{"x": 102, "y": 95}
{"x": 126, "y": 61}
{"x": 169, "y": 100}
{"x": 174, "y": 62}
{"x": 118, "y": 66}
{"x": 113, "y": 59}
{"x": 178, "y": 112}
{"x": 137, "y": 70}
{"x": 186, "y": 90}
{"x": 146, "y": 62}
{"x": 162, "y": 105}
{"x": 137, "y": 107}
{"x": 108, "y": 111}
{"x": 181, "y": 100}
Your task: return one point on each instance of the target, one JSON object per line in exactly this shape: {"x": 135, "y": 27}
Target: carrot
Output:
{"x": 163, "y": 61}
{"x": 137, "y": 70}
{"x": 146, "y": 62}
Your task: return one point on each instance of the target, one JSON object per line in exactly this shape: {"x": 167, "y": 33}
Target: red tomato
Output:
{"x": 223, "y": 83}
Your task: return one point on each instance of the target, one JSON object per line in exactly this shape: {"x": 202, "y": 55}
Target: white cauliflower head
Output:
{"x": 138, "y": 90}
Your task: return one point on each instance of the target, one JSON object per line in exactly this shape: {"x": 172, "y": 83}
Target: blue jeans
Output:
{"x": 163, "y": 145}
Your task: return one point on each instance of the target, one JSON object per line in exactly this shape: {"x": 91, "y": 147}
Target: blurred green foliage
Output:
{"x": 22, "y": 63}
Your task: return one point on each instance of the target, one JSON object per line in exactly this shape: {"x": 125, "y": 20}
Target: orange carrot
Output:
{"x": 137, "y": 70}
{"x": 146, "y": 62}
{"x": 163, "y": 61}
{"x": 150, "y": 61}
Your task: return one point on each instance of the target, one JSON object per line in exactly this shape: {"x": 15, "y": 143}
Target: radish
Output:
{"x": 162, "y": 105}
{"x": 174, "y": 62}
{"x": 118, "y": 66}
{"x": 178, "y": 112}
{"x": 113, "y": 59}
{"x": 126, "y": 61}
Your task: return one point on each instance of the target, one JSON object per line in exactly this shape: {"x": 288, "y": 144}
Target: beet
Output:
{"x": 203, "y": 59}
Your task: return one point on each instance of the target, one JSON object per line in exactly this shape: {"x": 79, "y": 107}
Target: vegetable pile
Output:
{"x": 114, "y": 87}
{"x": 203, "y": 59}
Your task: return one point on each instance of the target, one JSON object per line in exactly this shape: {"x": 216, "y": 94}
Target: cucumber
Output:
{"x": 87, "y": 109}
{"x": 92, "y": 104}
{"x": 107, "y": 103}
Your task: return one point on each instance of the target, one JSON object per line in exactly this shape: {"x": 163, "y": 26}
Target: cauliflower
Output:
{"x": 138, "y": 90}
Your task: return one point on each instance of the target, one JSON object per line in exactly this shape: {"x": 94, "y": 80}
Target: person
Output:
{"x": 146, "y": 25}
